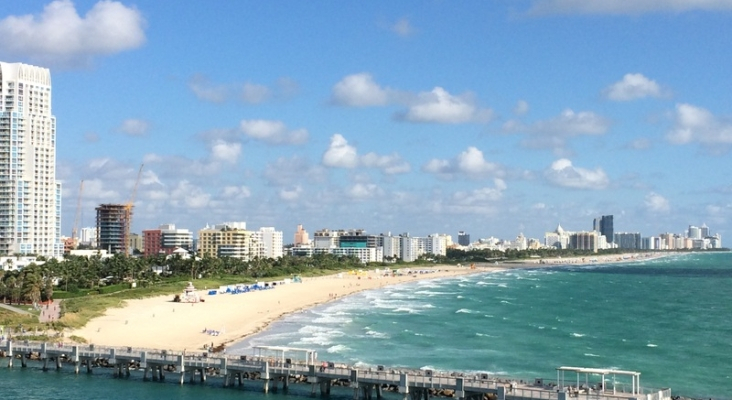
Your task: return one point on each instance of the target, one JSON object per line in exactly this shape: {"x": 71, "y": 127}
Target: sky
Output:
{"x": 491, "y": 117}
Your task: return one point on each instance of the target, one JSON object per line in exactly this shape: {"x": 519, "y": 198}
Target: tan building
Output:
{"x": 230, "y": 239}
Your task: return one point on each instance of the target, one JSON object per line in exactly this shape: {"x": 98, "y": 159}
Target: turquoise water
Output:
{"x": 667, "y": 318}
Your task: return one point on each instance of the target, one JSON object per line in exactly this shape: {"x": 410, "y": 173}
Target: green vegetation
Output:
{"x": 89, "y": 286}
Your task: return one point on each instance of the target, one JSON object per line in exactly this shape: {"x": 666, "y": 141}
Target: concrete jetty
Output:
{"x": 275, "y": 366}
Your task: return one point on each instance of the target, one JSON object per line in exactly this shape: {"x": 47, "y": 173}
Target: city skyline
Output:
{"x": 494, "y": 119}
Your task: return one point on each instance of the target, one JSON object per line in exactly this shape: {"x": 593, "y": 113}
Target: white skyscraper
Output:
{"x": 30, "y": 196}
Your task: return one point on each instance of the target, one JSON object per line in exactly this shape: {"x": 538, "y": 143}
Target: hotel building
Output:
{"x": 30, "y": 195}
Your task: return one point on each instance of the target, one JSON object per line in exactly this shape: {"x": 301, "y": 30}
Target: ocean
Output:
{"x": 667, "y": 318}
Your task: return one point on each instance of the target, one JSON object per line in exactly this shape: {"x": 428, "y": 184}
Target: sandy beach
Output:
{"x": 160, "y": 323}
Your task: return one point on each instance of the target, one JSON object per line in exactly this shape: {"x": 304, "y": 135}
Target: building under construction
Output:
{"x": 113, "y": 227}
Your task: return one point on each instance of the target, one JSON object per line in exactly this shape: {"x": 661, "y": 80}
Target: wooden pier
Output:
{"x": 278, "y": 369}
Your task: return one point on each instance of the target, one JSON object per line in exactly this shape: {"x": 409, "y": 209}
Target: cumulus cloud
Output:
{"x": 364, "y": 191}
{"x": 439, "y": 106}
{"x": 656, "y": 203}
{"x": 134, "y": 127}
{"x": 290, "y": 194}
{"x": 227, "y": 152}
{"x": 340, "y": 154}
{"x": 470, "y": 163}
{"x": 205, "y": 90}
{"x": 185, "y": 194}
{"x": 553, "y": 133}
{"x": 482, "y": 201}
{"x": 403, "y": 28}
{"x": 236, "y": 192}
{"x": 696, "y": 124}
{"x": 359, "y": 90}
{"x": 391, "y": 164}
{"x": 521, "y": 108}
{"x": 248, "y": 92}
{"x": 60, "y": 35}
{"x": 273, "y": 132}
{"x": 255, "y": 93}
{"x": 289, "y": 171}
{"x": 639, "y": 144}
{"x": 634, "y": 7}
{"x": 435, "y": 106}
{"x": 563, "y": 173}
{"x": 633, "y": 86}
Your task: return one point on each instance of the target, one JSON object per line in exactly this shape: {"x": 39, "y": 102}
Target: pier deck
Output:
{"x": 413, "y": 384}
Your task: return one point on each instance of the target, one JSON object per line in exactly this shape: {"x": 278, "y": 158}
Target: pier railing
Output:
{"x": 464, "y": 385}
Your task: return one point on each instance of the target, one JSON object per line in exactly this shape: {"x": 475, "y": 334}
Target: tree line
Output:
{"x": 78, "y": 275}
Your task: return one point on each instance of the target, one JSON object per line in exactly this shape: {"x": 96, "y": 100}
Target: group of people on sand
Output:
{"x": 211, "y": 332}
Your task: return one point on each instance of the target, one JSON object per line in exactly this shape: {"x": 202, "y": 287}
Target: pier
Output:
{"x": 279, "y": 366}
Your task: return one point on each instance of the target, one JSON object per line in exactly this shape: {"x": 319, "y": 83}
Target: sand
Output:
{"x": 159, "y": 323}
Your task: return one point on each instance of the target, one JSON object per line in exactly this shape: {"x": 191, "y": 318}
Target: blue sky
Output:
{"x": 493, "y": 117}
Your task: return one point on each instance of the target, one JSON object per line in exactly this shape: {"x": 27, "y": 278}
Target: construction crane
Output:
{"x": 74, "y": 230}
{"x": 128, "y": 214}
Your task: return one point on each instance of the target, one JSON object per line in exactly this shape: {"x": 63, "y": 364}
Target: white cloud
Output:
{"x": 656, "y": 203}
{"x": 290, "y": 194}
{"x": 521, "y": 108}
{"x": 359, "y": 90}
{"x": 553, "y": 133}
{"x": 633, "y": 86}
{"x": 205, "y": 90}
{"x": 480, "y": 201}
{"x": 273, "y": 132}
{"x": 632, "y": 7}
{"x": 563, "y": 173}
{"x": 227, "y": 152}
{"x": 254, "y": 93}
{"x": 249, "y": 93}
{"x": 96, "y": 189}
{"x": 439, "y": 106}
{"x": 188, "y": 195}
{"x": 134, "y": 127}
{"x": 470, "y": 163}
{"x": 340, "y": 154}
{"x": 390, "y": 164}
{"x": 696, "y": 124}
{"x": 289, "y": 171}
{"x": 639, "y": 144}
{"x": 403, "y": 28}
{"x": 435, "y": 106}
{"x": 60, "y": 35}
{"x": 236, "y": 192}
{"x": 363, "y": 191}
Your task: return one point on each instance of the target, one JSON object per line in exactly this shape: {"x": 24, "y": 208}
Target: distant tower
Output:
{"x": 694, "y": 232}
{"x": 301, "y": 236}
{"x": 604, "y": 225}
{"x": 705, "y": 231}
{"x": 463, "y": 238}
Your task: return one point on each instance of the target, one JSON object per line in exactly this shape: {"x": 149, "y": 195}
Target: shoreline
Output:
{"x": 157, "y": 322}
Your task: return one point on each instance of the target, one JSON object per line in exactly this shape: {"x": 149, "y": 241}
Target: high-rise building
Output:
{"x": 694, "y": 232}
{"x": 604, "y": 225}
{"x": 705, "y": 231}
{"x": 301, "y": 236}
{"x": 628, "y": 240}
{"x": 30, "y": 196}
{"x": 463, "y": 238}
{"x": 112, "y": 227}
